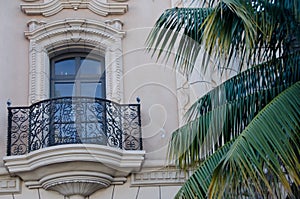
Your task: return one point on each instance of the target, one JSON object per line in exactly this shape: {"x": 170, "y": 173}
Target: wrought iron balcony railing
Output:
{"x": 72, "y": 120}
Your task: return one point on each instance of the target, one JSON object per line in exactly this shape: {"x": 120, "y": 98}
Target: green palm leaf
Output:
{"x": 267, "y": 151}
{"x": 179, "y": 25}
{"x": 248, "y": 32}
{"x": 282, "y": 71}
{"x": 198, "y": 183}
{"x": 223, "y": 113}
{"x": 232, "y": 30}
{"x": 269, "y": 146}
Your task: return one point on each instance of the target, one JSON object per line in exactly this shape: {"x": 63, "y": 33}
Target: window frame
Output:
{"x": 75, "y": 79}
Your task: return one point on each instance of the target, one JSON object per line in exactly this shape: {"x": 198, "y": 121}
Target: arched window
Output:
{"x": 77, "y": 74}
{"x": 54, "y": 45}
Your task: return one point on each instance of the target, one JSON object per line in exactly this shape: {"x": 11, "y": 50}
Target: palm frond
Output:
{"x": 283, "y": 71}
{"x": 194, "y": 141}
{"x": 198, "y": 183}
{"x": 179, "y": 25}
{"x": 231, "y": 31}
{"x": 267, "y": 148}
{"x": 267, "y": 151}
{"x": 223, "y": 114}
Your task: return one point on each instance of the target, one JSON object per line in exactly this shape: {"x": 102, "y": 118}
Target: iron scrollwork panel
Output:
{"x": 72, "y": 120}
{"x": 90, "y": 121}
{"x": 18, "y": 127}
{"x": 113, "y": 125}
{"x": 131, "y": 125}
{"x": 78, "y": 120}
{"x": 63, "y": 123}
{"x": 40, "y": 118}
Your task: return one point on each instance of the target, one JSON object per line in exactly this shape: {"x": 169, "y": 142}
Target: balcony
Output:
{"x": 74, "y": 140}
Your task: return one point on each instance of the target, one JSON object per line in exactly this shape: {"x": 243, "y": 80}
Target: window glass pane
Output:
{"x": 65, "y": 67}
{"x": 63, "y": 89}
{"x": 90, "y": 89}
{"x": 90, "y": 67}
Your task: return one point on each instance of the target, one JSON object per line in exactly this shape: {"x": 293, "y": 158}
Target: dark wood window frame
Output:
{"x": 77, "y": 79}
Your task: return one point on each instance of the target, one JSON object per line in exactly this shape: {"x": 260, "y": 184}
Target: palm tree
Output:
{"x": 242, "y": 138}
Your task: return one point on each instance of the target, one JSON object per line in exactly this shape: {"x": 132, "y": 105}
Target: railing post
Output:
{"x": 140, "y": 125}
{"x": 121, "y": 128}
{"x": 51, "y": 140}
{"x": 29, "y": 129}
{"x": 9, "y": 120}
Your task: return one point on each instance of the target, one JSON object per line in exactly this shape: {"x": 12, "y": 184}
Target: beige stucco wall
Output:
{"x": 165, "y": 94}
{"x": 142, "y": 76}
{"x": 14, "y": 66}
{"x": 154, "y": 83}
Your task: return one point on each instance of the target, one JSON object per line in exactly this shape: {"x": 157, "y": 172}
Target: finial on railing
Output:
{"x": 8, "y": 103}
{"x": 138, "y": 99}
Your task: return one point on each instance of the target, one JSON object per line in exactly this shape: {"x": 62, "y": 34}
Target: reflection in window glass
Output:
{"x": 63, "y": 89}
{"x": 90, "y": 89}
{"x": 77, "y": 75}
{"x": 90, "y": 67}
{"x": 65, "y": 67}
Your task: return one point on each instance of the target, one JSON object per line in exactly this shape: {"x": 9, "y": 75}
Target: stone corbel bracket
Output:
{"x": 52, "y": 7}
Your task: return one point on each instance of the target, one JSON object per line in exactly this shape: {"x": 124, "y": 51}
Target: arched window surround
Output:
{"x": 49, "y": 39}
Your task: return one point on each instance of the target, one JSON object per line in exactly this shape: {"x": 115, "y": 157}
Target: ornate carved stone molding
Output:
{"x": 120, "y": 0}
{"x": 52, "y": 7}
{"x": 74, "y": 169}
{"x": 46, "y": 39}
{"x": 9, "y": 185}
{"x": 158, "y": 177}
{"x": 30, "y": 0}
{"x": 50, "y": 0}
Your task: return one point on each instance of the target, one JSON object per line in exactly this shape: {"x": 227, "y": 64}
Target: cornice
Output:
{"x": 40, "y": 30}
{"x": 53, "y": 7}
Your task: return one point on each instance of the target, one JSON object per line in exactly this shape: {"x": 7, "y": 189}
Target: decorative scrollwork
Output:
{"x": 72, "y": 120}
{"x": 131, "y": 127}
{"x": 18, "y": 131}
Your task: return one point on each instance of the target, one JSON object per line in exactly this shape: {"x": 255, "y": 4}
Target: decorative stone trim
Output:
{"x": 9, "y": 185}
{"x": 158, "y": 178}
{"x": 50, "y": 0}
{"x": 68, "y": 168}
{"x": 83, "y": 183}
{"x": 46, "y": 39}
{"x": 120, "y": 0}
{"x": 30, "y": 0}
{"x": 52, "y": 7}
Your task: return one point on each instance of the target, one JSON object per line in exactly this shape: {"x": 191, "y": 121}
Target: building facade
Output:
{"x": 85, "y": 111}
